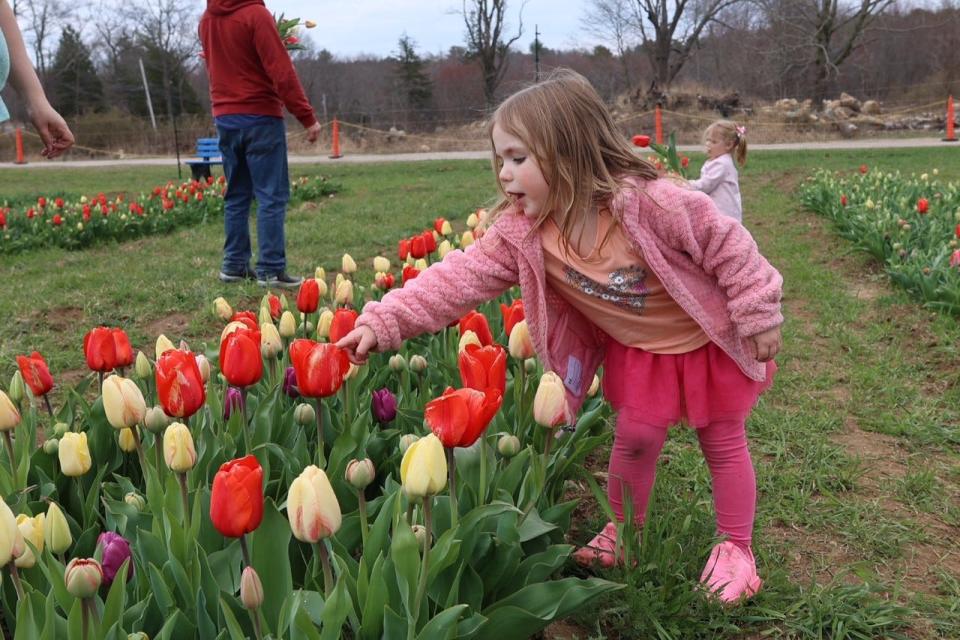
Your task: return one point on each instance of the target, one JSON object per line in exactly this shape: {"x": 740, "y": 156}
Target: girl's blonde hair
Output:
{"x": 731, "y": 133}
{"x": 583, "y": 156}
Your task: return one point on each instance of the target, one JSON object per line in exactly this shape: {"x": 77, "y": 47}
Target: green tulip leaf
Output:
{"x": 534, "y": 527}
{"x": 373, "y": 603}
{"x": 379, "y": 532}
{"x": 116, "y": 598}
{"x": 394, "y": 626}
{"x": 233, "y": 626}
{"x": 443, "y": 625}
{"x": 335, "y": 611}
{"x": 270, "y": 555}
{"x": 406, "y": 559}
{"x": 160, "y": 590}
{"x": 27, "y": 628}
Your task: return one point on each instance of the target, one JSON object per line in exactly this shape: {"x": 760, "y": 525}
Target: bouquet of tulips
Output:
{"x": 289, "y": 28}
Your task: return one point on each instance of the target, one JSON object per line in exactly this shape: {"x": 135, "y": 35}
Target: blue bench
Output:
{"x": 208, "y": 154}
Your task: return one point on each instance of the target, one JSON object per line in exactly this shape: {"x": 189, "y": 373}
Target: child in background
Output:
{"x": 723, "y": 140}
{"x": 618, "y": 267}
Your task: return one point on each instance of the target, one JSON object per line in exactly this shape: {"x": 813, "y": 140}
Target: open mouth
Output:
{"x": 516, "y": 195}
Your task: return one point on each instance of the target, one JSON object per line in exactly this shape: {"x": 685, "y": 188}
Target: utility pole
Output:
{"x": 536, "y": 50}
{"x": 146, "y": 90}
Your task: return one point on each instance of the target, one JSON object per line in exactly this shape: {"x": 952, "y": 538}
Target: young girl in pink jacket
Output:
{"x": 620, "y": 268}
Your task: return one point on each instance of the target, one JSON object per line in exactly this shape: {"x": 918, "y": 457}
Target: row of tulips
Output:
{"x": 77, "y": 222}
{"x": 910, "y": 223}
{"x": 290, "y": 493}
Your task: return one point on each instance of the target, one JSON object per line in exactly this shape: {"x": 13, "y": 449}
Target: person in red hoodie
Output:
{"x": 251, "y": 80}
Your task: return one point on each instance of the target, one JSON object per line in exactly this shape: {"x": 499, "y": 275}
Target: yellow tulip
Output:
{"x": 323, "y": 324}
{"x": 32, "y": 531}
{"x": 473, "y": 220}
{"x": 423, "y": 470}
{"x": 288, "y": 325}
{"x": 418, "y": 364}
{"x": 445, "y": 228}
{"x": 264, "y": 317}
{"x": 347, "y": 264}
{"x": 444, "y": 248}
{"x": 11, "y": 540}
{"x": 312, "y": 506}
{"x": 594, "y": 386}
{"x": 9, "y": 416}
{"x": 270, "y": 342}
{"x": 320, "y": 274}
{"x": 178, "y": 450}
{"x": 74, "y": 454}
{"x": 309, "y": 24}
{"x": 421, "y": 264}
{"x": 381, "y": 264}
{"x": 550, "y": 403}
{"x": 56, "y": 530}
{"x": 345, "y": 293}
{"x": 163, "y": 345}
{"x": 322, "y": 288}
{"x": 128, "y": 443}
{"x": 521, "y": 347}
{"x": 204, "y": 366}
{"x": 222, "y": 309}
{"x": 122, "y": 402}
{"x": 143, "y": 367}
{"x": 466, "y": 239}
{"x": 468, "y": 337}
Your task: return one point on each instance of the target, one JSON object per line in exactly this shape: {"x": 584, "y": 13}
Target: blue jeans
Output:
{"x": 255, "y": 163}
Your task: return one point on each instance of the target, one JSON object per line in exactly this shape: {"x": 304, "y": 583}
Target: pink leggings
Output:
{"x": 633, "y": 463}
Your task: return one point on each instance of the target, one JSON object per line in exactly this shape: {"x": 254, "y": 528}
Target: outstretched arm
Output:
{"x": 53, "y": 130}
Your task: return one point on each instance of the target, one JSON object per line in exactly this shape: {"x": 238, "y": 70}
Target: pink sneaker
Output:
{"x": 602, "y": 549}
{"x": 731, "y": 573}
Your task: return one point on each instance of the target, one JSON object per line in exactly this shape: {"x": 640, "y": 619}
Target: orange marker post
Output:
{"x": 951, "y": 135}
{"x": 335, "y": 150}
{"x": 20, "y": 158}
{"x": 658, "y": 124}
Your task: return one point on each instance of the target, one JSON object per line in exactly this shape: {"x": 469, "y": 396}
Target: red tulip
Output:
{"x": 35, "y": 373}
{"x": 100, "y": 350}
{"x": 57, "y": 220}
{"x": 403, "y": 248}
{"x": 179, "y": 383}
{"x": 923, "y": 205}
{"x": 308, "y": 298}
{"x": 418, "y": 247}
{"x": 684, "y": 162}
{"x": 384, "y": 281}
{"x": 409, "y": 273}
{"x": 484, "y": 367}
{"x": 429, "y": 241}
{"x": 956, "y": 231}
{"x": 641, "y": 141}
{"x": 459, "y": 417}
{"x": 843, "y": 200}
{"x": 863, "y": 169}
{"x": 240, "y": 359}
{"x": 342, "y": 323}
{"x": 276, "y": 310}
{"x": 236, "y": 500}
{"x": 122, "y": 348}
{"x": 512, "y": 315}
{"x": 438, "y": 225}
{"x": 477, "y": 322}
{"x": 248, "y": 318}
{"x": 319, "y": 367}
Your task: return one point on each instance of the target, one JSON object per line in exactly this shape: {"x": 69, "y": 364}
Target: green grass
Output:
{"x": 857, "y": 445}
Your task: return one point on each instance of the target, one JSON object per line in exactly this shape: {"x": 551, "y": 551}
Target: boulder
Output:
{"x": 870, "y": 108}
{"x": 848, "y": 101}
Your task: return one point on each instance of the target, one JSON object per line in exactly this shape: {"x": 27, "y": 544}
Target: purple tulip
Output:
{"x": 113, "y": 550}
{"x": 383, "y": 406}
{"x": 290, "y": 383}
{"x": 232, "y": 402}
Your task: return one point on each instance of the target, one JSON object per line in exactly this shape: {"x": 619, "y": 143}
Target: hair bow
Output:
{"x": 741, "y": 130}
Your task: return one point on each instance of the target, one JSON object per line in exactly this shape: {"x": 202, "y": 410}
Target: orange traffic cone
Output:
{"x": 658, "y": 124}
{"x": 20, "y": 159}
{"x": 951, "y": 136}
{"x": 335, "y": 150}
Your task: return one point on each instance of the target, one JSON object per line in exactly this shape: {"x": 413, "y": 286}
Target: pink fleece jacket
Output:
{"x": 708, "y": 263}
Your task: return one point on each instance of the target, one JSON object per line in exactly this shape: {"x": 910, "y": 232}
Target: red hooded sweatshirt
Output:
{"x": 249, "y": 67}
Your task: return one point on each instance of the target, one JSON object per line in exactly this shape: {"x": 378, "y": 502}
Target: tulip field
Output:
{"x": 183, "y": 458}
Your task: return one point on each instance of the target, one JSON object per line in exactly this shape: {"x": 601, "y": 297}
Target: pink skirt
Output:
{"x": 699, "y": 387}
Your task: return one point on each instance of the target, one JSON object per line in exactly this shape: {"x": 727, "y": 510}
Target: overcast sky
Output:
{"x": 349, "y": 28}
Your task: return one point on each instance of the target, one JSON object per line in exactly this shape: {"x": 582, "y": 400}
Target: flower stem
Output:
{"x": 139, "y": 443}
{"x": 85, "y": 616}
{"x": 321, "y": 459}
{"x": 327, "y": 573}
{"x": 245, "y": 551}
{"x": 424, "y": 567}
{"x": 452, "y": 472}
{"x": 364, "y": 526}
{"x": 482, "y": 492}
{"x": 255, "y": 618}
{"x": 15, "y": 575}
{"x": 46, "y": 400}
{"x": 8, "y": 441}
{"x": 184, "y": 497}
{"x": 100, "y": 380}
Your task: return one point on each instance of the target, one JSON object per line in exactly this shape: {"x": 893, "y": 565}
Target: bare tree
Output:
{"x": 485, "y": 40}
{"x": 610, "y": 21}
{"x": 43, "y": 17}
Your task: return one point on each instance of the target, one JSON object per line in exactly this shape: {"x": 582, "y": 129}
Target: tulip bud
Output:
{"x": 178, "y": 450}
{"x": 270, "y": 343}
{"x": 594, "y": 386}
{"x": 473, "y": 220}
{"x": 508, "y": 446}
{"x": 319, "y": 273}
{"x": 233, "y": 401}
{"x": 304, "y": 415}
{"x": 163, "y": 345}
{"x": 347, "y": 264}
{"x": 251, "y": 589}
{"x": 264, "y": 316}
{"x": 360, "y": 473}
{"x": 16, "y": 387}
{"x": 11, "y": 540}
{"x": 445, "y": 228}
{"x": 51, "y": 446}
{"x": 444, "y": 248}
{"x": 397, "y": 362}
{"x": 530, "y": 365}
{"x": 135, "y": 500}
{"x": 32, "y": 531}
{"x": 418, "y": 364}
{"x": 74, "y": 455}
{"x": 113, "y": 551}
{"x": 521, "y": 347}
{"x": 381, "y": 264}
{"x": 142, "y": 367}
{"x": 56, "y": 530}
{"x": 288, "y": 325}
{"x": 83, "y": 577}
{"x": 550, "y": 402}
{"x": 344, "y": 293}
{"x": 155, "y": 420}
{"x": 469, "y": 337}
{"x": 9, "y": 416}
{"x": 128, "y": 443}
{"x": 138, "y": 635}
{"x": 466, "y": 239}
{"x": 312, "y": 506}
{"x": 351, "y": 372}
{"x": 421, "y": 264}
{"x": 423, "y": 470}
{"x": 60, "y": 428}
{"x": 204, "y": 367}
{"x": 406, "y": 440}
{"x": 322, "y": 289}
{"x": 323, "y": 324}
{"x": 222, "y": 309}
{"x": 290, "y": 383}
{"x": 122, "y": 402}
{"x": 420, "y": 533}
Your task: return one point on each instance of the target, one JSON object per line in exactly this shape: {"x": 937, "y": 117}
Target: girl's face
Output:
{"x": 520, "y": 175}
{"x": 715, "y": 145}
